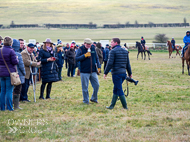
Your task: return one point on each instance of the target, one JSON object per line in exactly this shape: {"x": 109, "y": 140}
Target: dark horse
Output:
{"x": 170, "y": 49}
{"x": 187, "y": 58}
{"x": 142, "y": 50}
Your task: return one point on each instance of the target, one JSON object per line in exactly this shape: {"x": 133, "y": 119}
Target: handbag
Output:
{"x": 15, "y": 79}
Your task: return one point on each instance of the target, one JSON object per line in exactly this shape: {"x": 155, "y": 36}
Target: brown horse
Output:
{"x": 170, "y": 49}
{"x": 187, "y": 58}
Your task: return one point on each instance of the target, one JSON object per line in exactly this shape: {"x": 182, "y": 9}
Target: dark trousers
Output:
{"x": 105, "y": 63}
{"x": 66, "y": 63}
{"x": 17, "y": 89}
{"x": 48, "y": 90}
{"x": 25, "y": 86}
{"x": 117, "y": 81}
{"x": 70, "y": 70}
{"x": 59, "y": 72}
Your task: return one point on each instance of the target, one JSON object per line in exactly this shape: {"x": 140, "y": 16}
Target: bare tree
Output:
{"x": 160, "y": 38}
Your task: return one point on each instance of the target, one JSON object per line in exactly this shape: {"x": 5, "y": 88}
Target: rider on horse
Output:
{"x": 173, "y": 43}
{"x": 143, "y": 42}
{"x": 186, "y": 40}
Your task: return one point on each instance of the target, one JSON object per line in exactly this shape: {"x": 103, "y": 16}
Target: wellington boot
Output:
{"x": 113, "y": 102}
{"x": 16, "y": 98}
{"x": 123, "y": 101}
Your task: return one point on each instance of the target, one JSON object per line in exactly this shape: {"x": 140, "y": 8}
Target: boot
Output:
{"x": 123, "y": 101}
{"x": 113, "y": 102}
{"x": 42, "y": 91}
{"x": 48, "y": 91}
{"x": 132, "y": 80}
{"x": 16, "y": 98}
{"x": 78, "y": 72}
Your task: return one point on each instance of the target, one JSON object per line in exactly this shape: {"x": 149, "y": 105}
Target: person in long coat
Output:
{"x": 49, "y": 68}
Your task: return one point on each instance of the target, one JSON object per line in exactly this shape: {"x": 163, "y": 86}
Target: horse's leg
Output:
{"x": 182, "y": 65}
{"x": 169, "y": 54}
{"x": 144, "y": 55}
{"x": 149, "y": 56}
{"x": 137, "y": 55}
{"x": 187, "y": 66}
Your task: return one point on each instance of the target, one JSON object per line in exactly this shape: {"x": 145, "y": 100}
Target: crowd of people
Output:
{"x": 47, "y": 61}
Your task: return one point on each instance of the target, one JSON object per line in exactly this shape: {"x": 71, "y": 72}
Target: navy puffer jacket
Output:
{"x": 48, "y": 69}
{"x": 118, "y": 61}
{"x": 20, "y": 65}
{"x": 11, "y": 60}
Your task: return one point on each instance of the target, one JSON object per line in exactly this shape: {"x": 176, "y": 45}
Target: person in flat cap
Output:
{"x": 49, "y": 69}
{"x": 29, "y": 62}
{"x": 89, "y": 66}
{"x": 1, "y": 38}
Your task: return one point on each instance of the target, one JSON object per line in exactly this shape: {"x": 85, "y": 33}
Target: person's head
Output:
{"x": 1, "y": 38}
{"x": 98, "y": 45}
{"x": 188, "y": 33}
{"x": 47, "y": 43}
{"x": 72, "y": 47}
{"x": 73, "y": 42}
{"x": 115, "y": 41}
{"x": 77, "y": 46}
{"x": 7, "y": 41}
{"x": 172, "y": 38}
{"x": 142, "y": 37}
{"x": 67, "y": 45}
{"x": 38, "y": 46}
{"x": 94, "y": 43}
{"x": 59, "y": 47}
{"x": 21, "y": 43}
{"x": 87, "y": 43}
{"x": 30, "y": 48}
{"x": 37, "y": 43}
{"x": 107, "y": 45}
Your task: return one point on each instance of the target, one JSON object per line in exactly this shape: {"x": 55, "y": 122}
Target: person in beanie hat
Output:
{"x": 1, "y": 41}
{"x": 118, "y": 62}
{"x": 60, "y": 60}
{"x": 21, "y": 72}
{"x": 10, "y": 58}
{"x": 49, "y": 72}
{"x": 89, "y": 66}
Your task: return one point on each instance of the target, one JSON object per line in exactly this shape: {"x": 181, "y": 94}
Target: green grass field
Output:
{"x": 96, "y": 11}
{"x": 67, "y": 35}
{"x": 158, "y": 108}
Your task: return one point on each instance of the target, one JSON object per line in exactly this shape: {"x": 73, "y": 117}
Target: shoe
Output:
{"x": 41, "y": 98}
{"x": 26, "y": 100}
{"x": 123, "y": 101}
{"x": 113, "y": 102}
{"x": 94, "y": 101}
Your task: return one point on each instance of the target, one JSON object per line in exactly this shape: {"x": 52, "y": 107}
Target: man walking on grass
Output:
{"x": 118, "y": 62}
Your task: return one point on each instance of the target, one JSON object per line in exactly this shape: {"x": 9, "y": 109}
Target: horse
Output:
{"x": 187, "y": 58}
{"x": 142, "y": 50}
{"x": 170, "y": 49}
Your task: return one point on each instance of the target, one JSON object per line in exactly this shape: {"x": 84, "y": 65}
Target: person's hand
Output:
{"x": 50, "y": 59}
{"x": 99, "y": 69}
{"x": 88, "y": 54}
{"x": 105, "y": 76}
{"x": 38, "y": 63}
{"x": 131, "y": 76}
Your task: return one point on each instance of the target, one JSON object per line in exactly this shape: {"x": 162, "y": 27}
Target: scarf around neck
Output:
{"x": 50, "y": 49}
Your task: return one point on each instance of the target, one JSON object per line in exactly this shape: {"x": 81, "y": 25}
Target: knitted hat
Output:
{"x": 60, "y": 45}
{"x": 59, "y": 41}
{"x": 7, "y": 41}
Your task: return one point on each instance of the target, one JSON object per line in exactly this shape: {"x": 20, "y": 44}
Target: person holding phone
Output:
{"x": 49, "y": 67}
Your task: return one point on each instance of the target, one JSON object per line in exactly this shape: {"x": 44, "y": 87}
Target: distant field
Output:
{"x": 96, "y": 11}
{"x": 67, "y": 35}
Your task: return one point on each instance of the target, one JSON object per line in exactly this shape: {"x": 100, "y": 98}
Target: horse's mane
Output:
{"x": 169, "y": 43}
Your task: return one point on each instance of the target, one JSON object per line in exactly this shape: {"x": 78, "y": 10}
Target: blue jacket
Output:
{"x": 118, "y": 61}
{"x": 106, "y": 53}
{"x": 186, "y": 40}
{"x": 173, "y": 42}
{"x": 20, "y": 65}
{"x": 60, "y": 60}
{"x": 49, "y": 69}
{"x": 87, "y": 65}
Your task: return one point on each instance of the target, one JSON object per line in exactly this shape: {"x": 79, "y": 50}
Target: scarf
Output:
{"x": 50, "y": 49}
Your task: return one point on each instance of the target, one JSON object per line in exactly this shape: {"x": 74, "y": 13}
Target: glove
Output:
{"x": 88, "y": 54}
{"x": 99, "y": 69}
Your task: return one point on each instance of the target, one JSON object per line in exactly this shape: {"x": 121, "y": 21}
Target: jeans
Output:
{"x": 85, "y": 77}
{"x": 6, "y": 93}
{"x": 117, "y": 81}
{"x": 25, "y": 86}
{"x": 59, "y": 73}
{"x": 70, "y": 70}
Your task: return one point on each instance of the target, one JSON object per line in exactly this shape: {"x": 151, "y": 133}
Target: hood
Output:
{"x": 16, "y": 45}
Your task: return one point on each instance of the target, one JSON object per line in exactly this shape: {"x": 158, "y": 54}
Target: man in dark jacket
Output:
{"x": 106, "y": 55}
{"x": 143, "y": 42}
{"x": 173, "y": 43}
{"x": 118, "y": 62}
{"x": 89, "y": 63}
{"x": 66, "y": 49}
{"x": 71, "y": 60}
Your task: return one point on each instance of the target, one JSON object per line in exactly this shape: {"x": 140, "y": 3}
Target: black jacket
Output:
{"x": 71, "y": 56}
{"x": 118, "y": 61}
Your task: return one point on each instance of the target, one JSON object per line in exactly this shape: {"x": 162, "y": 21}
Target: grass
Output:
{"x": 158, "y": 108}
{"x": 67, "y": 35}
{"x": 96, "y": 11}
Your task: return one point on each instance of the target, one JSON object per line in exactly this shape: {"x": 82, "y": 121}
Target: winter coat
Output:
{"x": 28, "y": 62}
{"x": 118, "y": 61}
{"x": 11, "y": 60}
{"x": 106, "y": 53}
{"x": 66, "y": 48}
{"x": 20, "y": 65}
{"x": 143, "y": 42}
{"x": 100, "y": 55}
{"x": 48, "y": 69}
{"x": 71, "y": 56}
{"x": 186, "y": 40}
{"x": 60, "y": 60}
{"x": 173, "y": 42}
{"x": 87, "y": 65}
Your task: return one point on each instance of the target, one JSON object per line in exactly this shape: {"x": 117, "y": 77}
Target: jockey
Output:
{"x": 186, "y": 40}
{"x": 143, "y": 42}
{"x": 173, "y": 43}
